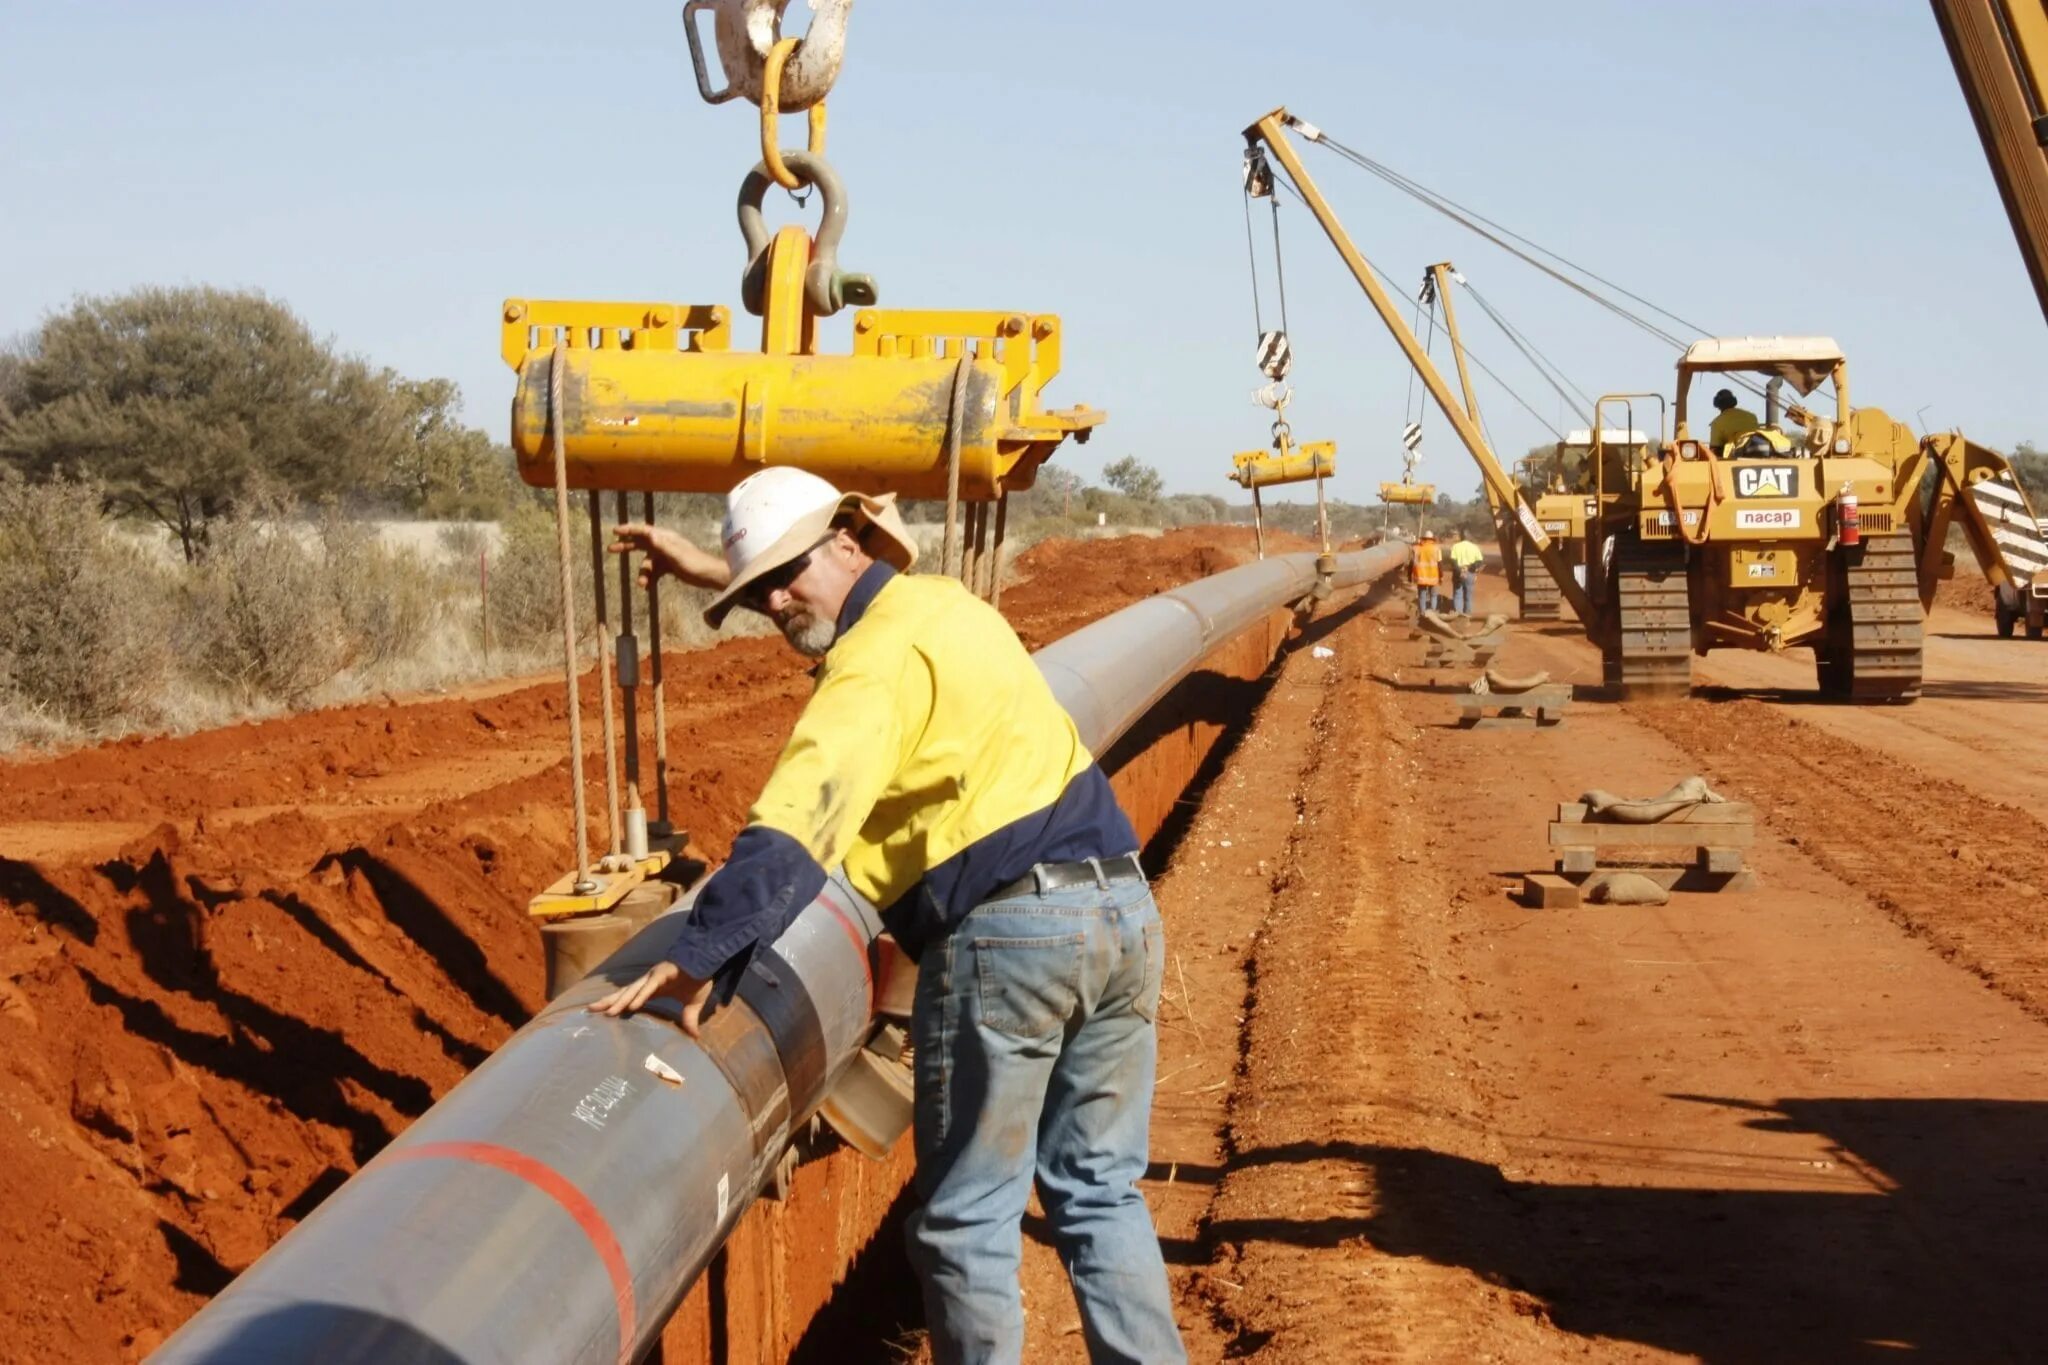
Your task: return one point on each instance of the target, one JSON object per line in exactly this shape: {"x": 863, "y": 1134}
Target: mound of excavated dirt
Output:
{"x": 1967, "y": 591}
{"x": 234, "y": 964}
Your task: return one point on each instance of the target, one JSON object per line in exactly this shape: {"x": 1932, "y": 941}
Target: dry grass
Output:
{"x": 81, "y": 637}
{"x": 106, "y": 635}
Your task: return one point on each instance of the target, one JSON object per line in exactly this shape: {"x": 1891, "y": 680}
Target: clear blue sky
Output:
{"x": 393, "y": 171}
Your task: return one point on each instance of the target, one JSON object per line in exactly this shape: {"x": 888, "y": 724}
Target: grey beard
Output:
{"x": 809, "y": 636}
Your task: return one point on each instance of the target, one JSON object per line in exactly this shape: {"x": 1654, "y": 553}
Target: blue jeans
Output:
{"x": 1425, "y": 597}
{"x": 1035, "y": 1029}
{"x": 1461, "y": 594}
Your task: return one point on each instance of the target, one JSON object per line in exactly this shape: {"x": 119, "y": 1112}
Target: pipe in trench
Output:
{"x": 558, "y": 1203}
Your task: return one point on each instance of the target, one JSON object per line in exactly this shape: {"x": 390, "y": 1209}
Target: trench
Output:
{"x": 821, "y": 1274}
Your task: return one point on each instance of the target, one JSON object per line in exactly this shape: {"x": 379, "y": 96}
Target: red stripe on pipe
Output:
{"x": 574, "y": 1202}
{"x": 857, "y": 939}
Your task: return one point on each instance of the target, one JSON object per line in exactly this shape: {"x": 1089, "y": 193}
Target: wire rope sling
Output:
{"x": 1285, "y": 461}
{"x": 639, "y": 398}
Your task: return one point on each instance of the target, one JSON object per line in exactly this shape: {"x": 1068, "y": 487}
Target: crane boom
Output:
{"x": 1272, "y": 131}
{"x": 2000, "y": 52}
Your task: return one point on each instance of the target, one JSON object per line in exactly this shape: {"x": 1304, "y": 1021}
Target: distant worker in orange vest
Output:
{"x": 1425, "y": 567}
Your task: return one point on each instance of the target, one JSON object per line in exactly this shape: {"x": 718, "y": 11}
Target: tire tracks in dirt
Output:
{"x": 1338, "y": 1075}
{"x": 1965, "y": 875}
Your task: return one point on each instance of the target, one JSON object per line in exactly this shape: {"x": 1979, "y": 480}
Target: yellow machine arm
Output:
{"x": 2000, "y": 51}
{"x": 1502, "y": 510}
{"x": 1978, "y": 490}
{"x": 1272, "y": 131}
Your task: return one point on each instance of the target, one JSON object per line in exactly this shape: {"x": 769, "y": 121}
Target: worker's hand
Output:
{"x": 663, "y": 978}
{"x": 668, "y": 552}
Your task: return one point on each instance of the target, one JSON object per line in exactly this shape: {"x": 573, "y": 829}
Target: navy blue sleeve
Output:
{"x": 763, "y": 886}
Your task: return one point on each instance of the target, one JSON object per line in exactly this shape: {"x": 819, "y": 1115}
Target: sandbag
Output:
{"x": 1648, "y": 810}
{"x": 1623, "y": 888}
{"x": 1437, "y": 624}
{"x": 1493, "y": 682}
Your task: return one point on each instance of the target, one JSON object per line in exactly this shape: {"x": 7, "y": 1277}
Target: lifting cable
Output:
{"x": 1470, "y": 354}
{"x": 1544, "y": 366}
{"x": 1274, "y": 352}
{"x": 1505, "y": 238}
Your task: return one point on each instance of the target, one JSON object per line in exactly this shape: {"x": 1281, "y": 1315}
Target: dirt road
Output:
{"x": 1402, "y": 1117}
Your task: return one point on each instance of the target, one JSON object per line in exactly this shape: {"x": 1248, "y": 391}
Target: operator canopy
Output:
{"x": 1609, "y": 436}
{"x": 1802, "y": 362}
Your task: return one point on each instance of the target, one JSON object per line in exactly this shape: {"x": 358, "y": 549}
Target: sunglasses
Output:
{"x": 778, "y": 579}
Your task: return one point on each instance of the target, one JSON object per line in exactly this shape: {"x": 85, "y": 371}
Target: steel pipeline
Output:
{"x": 558, "y": 1203}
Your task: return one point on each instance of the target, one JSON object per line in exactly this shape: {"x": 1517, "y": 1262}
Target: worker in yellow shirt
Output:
{"x": 1425, "y": 568}
{"x": 934, "y": 765}
{"x": 1466, "y": 558}
{"x": 1732, "y": 423}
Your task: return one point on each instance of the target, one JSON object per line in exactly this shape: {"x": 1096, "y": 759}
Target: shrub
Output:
{"x": 260, "y": 617}
{"x": 81, "y": 641}
{"x": 526, "y": 576}
{"x": 385, "y": 599}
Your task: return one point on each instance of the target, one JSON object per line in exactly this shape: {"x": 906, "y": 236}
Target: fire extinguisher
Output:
{"x": 1847, "y": 519}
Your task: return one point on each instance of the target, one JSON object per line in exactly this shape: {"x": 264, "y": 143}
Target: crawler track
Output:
{"x": 1540, "y": 595}
{"x": 1651, "y": 653}
{"x": 1886, "y": 635}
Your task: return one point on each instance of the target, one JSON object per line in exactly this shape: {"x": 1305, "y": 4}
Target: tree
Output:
{"x": 175, "y": 400}
{"x": 2031, "y": 464}
{"x": 1134, "y": 479}
{"x": 1056, "y": 482}
{"x": 445, "y": 469}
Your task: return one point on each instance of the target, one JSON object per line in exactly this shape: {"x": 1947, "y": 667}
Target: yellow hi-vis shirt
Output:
{"x": 1466, "y": 555}
{"x": 1732, "y": 425}
{"x": 933, "y": 762}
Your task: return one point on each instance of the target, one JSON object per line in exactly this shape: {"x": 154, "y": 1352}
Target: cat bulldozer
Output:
{"x": 1769, "y": 542}
{"x": 1566, "y": 501}
{"x": 1803, "y": 531}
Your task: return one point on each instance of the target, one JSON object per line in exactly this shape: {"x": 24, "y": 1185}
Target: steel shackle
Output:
{"x": 827, "y": 288}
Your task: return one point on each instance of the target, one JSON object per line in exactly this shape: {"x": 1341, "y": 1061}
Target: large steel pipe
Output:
{"x": 558, "y": 1203}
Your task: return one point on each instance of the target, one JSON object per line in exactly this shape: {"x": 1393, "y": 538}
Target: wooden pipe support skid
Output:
{"x": 654, "y": 398}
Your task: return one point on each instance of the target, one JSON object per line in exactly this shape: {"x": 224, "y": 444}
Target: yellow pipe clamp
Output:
{"x": 1294, "y": 464}
{"x": 665, "y": 407}
{"x": 1408, "y": 493}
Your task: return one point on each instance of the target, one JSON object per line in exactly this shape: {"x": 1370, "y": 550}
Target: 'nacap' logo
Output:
{"x": 1766, "y": 481}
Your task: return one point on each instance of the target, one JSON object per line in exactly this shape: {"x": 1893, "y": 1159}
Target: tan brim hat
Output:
{"x": 874, "y": 521}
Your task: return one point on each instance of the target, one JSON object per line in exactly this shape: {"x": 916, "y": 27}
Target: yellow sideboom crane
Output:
{"x": 1271, "y": 133}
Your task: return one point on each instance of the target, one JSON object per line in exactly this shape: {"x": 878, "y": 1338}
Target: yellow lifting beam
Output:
{"x": 1409, "y": 494}
{"x": 1272, "y": 130}
{"x": 1290, "y": 464}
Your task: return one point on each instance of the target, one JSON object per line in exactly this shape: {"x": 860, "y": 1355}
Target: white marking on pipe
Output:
{"x": 604, "y": 1097}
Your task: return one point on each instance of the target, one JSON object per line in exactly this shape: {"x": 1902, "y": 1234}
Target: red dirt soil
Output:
{"x": 235, "y": 964}
{"x": 1401, "y": 1117}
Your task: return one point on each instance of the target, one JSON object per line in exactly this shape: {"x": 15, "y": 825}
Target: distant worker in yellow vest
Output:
{"x": 1465, "y": 561}
{"x": 1732, "y": 424}
{"x": 1425, "y": 568}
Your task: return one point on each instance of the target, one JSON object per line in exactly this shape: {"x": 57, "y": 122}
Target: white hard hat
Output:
{"x": 775, "y": 515}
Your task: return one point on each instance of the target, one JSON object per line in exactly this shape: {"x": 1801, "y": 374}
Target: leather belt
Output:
{"x": 1052, "y": 876}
